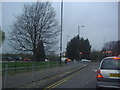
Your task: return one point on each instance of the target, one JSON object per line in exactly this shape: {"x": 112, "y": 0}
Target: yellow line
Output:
{"x": 56, "y": 83}
{"x": 60, "y": 83}
{"x": 62, "y": 80}
{"x": 67, "y": 78}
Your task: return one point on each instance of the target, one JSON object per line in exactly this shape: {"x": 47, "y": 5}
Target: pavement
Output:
{"x": 31, "y": 80}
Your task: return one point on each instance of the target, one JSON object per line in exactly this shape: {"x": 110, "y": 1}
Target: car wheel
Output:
{"x": 98, "y": 88}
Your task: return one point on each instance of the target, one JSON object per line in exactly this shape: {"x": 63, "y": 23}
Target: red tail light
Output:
{"x": 99, "y": 75}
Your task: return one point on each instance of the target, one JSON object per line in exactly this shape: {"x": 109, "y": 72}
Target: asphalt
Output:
{"x": 84, "y": 78}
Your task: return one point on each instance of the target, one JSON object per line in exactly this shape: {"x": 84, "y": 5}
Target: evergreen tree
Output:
{"x": 78, "y": 48}
{"x": 86, "y": 49}
{"x": 73, "y": 48}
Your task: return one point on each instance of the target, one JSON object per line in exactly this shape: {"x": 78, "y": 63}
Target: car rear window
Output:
{"x": 111, "y": 64}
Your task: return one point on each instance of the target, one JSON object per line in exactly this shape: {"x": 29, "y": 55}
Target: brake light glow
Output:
{"x": 116, "y": 58}
{"x": 99, "y": 75}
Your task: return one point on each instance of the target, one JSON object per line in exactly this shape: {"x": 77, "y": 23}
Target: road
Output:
{"x": 85, "y": 78}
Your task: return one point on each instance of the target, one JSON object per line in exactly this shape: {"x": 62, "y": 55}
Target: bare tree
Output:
{"x": 2, "y": 36}
{"x": 113, "y": 46}
{"x": 37, "y": 23}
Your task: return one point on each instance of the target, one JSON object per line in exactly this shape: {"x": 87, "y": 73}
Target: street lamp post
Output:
{"x": 67, "y": 39}
{"x": 61, "y": 30}
{"x": 79, "y": 29}
{"x": 79, "y": 53}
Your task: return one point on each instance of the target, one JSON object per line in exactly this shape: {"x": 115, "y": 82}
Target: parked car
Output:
{"x": 46, "y": 60}
{"x": 7, "y": 58}
{"x": 63, "y": 59}
{"x": 26, "y": 59}
{"x": 17, "y": 59}
{"x": 108, "y": 74}
{"x": 85, "y": 60}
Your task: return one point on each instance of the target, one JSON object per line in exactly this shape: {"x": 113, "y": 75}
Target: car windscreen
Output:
{"x": 111, "y": 64}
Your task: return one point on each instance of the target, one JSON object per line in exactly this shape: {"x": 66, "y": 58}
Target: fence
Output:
{"x": 18, "y": 73}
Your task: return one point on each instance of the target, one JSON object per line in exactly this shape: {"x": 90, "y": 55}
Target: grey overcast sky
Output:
{"x": 99, "y": 18}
